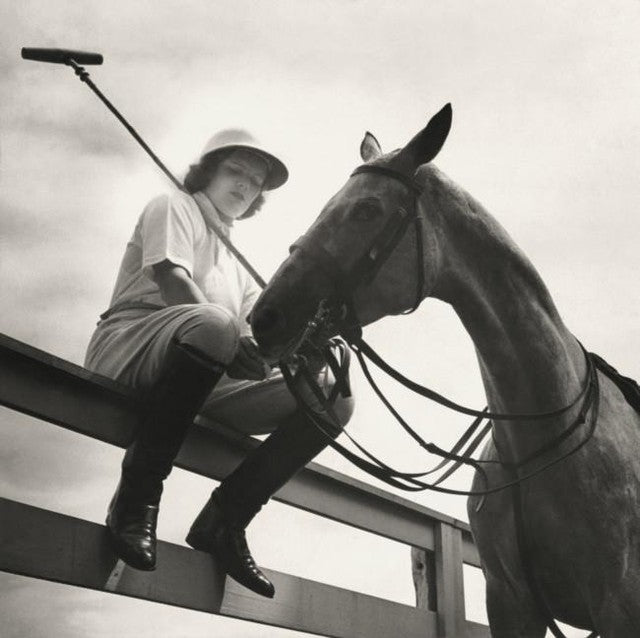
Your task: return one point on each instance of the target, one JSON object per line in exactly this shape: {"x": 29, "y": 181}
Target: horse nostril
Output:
{"x": 267, "y": 321}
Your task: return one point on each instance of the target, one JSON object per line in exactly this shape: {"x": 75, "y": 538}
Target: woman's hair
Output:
{"x": 199, "y": 175}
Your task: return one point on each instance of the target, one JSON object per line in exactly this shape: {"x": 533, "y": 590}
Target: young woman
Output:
{"x": 176, "y": 330}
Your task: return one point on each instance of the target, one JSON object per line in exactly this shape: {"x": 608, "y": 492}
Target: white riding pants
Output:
{"x": 129, "y": 346}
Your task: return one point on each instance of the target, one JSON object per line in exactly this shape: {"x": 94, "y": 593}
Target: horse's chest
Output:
{"x": 575, "y": 539}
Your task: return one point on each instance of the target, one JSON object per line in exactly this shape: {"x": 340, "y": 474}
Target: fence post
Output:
{"x": 449, "y": 581}
{"x": 423, "y": 570}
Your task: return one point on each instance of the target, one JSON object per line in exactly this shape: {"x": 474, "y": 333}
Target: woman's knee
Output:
{"x": 337, "y": 408}
{"x": 343, "y": 409}
{"x": 212, "y": 330}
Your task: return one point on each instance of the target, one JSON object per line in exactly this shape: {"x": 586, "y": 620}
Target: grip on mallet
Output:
{"x": 61, "y": 56}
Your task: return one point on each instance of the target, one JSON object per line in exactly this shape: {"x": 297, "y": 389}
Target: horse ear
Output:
{"x": 370, "y": 147}
{"x": 428, "y": 142}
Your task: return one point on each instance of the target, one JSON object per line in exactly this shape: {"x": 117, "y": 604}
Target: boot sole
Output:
{"x": 202, "y": 543}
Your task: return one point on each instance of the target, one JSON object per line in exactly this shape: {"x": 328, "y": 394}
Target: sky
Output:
{"x": 545, "y": 134}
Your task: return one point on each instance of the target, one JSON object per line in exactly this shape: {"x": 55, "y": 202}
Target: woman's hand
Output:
{"x": 248, "y": 364}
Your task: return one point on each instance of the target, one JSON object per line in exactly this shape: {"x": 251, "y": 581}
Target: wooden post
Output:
{"x": 423, "y": 570}
{"x": 449, "y": 582}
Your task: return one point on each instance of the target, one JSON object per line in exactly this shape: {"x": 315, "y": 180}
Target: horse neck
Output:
{"x": 528, "y": 359}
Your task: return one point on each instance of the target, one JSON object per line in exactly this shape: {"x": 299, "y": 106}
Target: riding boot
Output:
{"x": 219, "y": 528}
{"x": 186, "y": 379}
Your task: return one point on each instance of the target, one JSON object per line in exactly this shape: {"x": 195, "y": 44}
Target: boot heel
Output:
{"x": 200, "y": 535}
{"x": 132, "y": 535}
{"x": 199, "y": 540}
{"x": 218, "y": 534}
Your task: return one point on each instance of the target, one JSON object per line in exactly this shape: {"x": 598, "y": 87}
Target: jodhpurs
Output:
{"x": 130, "y": 347}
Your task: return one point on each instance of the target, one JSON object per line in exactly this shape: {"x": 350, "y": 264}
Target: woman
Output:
{"x": 176, "y": 329}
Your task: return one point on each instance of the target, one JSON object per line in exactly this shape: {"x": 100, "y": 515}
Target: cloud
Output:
{"x": 54, "y": 111}
{"x": 50, "y": 467}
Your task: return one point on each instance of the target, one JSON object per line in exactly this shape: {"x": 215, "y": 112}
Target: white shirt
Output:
{"x": 173, "y": 227}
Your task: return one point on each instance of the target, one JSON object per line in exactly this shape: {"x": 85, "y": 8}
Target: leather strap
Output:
{"x": 411, "y": 481}
{"x": 359, "y": 345}
{"x": 399, "y": 176}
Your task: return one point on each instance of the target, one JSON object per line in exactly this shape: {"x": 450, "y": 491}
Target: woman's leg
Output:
{"x": 260, "y": 407}
{"x": 219, "y": 528}
{"x": 181, "y": 368}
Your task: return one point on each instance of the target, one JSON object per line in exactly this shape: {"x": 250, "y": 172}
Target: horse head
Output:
{"x": 336, "y": 267}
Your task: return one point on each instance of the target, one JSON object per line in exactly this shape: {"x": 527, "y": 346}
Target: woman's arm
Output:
{"x": 176, "y": 286}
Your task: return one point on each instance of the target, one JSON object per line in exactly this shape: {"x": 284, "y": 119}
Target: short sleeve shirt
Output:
{"x": 172, "y": 227}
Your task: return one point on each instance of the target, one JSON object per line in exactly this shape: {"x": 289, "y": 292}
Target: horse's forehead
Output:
{"x": 366, "y": 187}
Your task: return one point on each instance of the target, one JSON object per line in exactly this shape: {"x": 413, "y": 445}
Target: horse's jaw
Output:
{"x": 281, "y": 315}
{"x": 287, "y": 310}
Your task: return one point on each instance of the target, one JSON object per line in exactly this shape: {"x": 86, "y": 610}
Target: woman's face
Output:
{"x": 237, "y": 182}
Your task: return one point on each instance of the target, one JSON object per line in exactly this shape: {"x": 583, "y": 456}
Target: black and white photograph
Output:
{"x": 319, "y": 317}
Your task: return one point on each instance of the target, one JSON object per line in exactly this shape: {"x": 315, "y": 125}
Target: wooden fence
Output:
{"x": 76, "y": 552}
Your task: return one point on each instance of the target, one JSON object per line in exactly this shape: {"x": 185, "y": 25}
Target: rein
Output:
{"x": 410, "y": 481}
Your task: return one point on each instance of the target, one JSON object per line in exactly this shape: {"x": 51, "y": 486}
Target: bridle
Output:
{"x": 371, "y": 261}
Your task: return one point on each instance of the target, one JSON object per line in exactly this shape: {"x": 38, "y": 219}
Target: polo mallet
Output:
{"x": 76, "y": 58}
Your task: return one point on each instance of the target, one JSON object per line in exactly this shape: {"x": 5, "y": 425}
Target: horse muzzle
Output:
{"x": 270, "y": 326}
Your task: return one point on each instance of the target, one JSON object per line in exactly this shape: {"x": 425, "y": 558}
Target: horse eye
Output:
{"x": 365, "y": 211}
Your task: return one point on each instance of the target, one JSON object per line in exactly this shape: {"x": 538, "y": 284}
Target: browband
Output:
{"x": 405, "y": 179}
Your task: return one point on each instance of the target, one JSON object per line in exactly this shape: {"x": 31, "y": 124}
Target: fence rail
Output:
{"x": 46, "y": 387}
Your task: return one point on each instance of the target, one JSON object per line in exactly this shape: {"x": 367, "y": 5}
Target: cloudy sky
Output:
{"x": 546, "y": 134}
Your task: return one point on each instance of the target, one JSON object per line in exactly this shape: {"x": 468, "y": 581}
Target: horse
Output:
{"x": 576, "y": 465}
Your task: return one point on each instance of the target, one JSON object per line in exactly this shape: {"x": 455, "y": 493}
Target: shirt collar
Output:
{"x": 211, "y": 215}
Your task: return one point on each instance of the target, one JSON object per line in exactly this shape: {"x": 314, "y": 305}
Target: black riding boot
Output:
{"x": 186, "y": 380}
{"x": 219, "y": 528}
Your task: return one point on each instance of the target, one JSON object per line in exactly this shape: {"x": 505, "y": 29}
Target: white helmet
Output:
{"x": 235, "y": 138}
